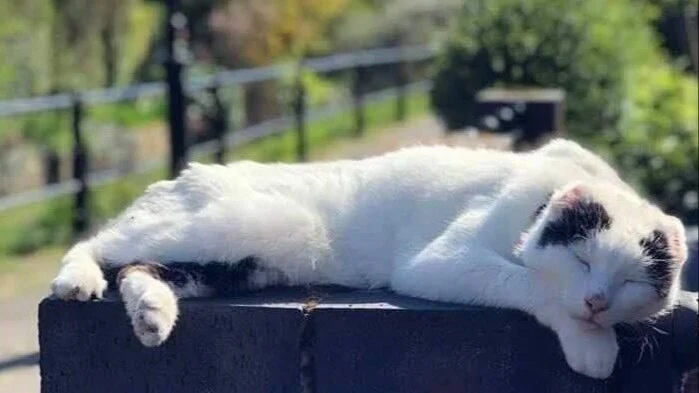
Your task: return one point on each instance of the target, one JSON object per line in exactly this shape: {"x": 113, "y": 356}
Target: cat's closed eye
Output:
{"x": 583, "y": 262}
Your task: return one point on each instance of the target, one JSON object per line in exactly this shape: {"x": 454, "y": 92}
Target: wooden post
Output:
{"x": 358, "y": 100}
{"x": 300, "y": 116}
{"x": 219, "y": 123}
{"x": 80, "y": 208}
{"x": 175, "y": 27}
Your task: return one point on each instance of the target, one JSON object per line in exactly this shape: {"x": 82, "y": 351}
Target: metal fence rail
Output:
{"x": 342, "y": 61}
{"x": 233, "y": 140}
{"x": 356, "y": 62}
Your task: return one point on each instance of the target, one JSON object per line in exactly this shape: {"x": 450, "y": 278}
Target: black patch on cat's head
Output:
{"x": 574, "y": 223}
{"x": 662, "y": 267}
{"x": 542, "y": 207}
{"x": 539, "y": 210}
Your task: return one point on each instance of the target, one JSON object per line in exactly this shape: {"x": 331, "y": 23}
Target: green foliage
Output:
{"x": 319, "y": 89}
{"x": 623, "y": 97}
{"x": 49, "y": 228}
{"x": 370, "y": 23}
{"x": 25, "y": 36}
{"x": 129, "y": 114}
{"x": 582, "y": 46}
{"x": 658, "y": 143}
{"x": 98, "y": 42}
{"x": 70, "y": 44}
{"x": 51, "y": 129}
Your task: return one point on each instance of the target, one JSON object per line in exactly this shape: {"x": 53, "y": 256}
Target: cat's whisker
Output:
{"x": 642, "y": 351}
{"x": 657, "y": 329}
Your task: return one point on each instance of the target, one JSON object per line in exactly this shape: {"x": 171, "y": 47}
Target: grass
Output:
{"x": 20, "y": 274}
{"x": 29, "y": 228}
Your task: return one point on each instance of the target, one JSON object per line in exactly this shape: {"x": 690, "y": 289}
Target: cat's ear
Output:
{"x": 676, "y": 239}
{"x": 569, "y": 196}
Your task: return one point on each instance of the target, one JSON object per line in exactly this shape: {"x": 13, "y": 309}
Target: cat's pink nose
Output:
{"x": 597, "y": 303}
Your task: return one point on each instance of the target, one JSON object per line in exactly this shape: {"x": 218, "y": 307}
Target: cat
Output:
{"x": 553, "y": 232}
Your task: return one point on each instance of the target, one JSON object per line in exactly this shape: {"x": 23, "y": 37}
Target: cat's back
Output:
{"x": 422, "y": 173}
{"x": 429, "y": 171}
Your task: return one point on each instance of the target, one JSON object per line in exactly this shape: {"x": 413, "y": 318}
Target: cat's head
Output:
{"x": 608, "y": 255}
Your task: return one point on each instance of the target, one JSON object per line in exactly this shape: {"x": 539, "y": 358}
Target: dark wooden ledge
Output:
{"x": 328, "y": 340}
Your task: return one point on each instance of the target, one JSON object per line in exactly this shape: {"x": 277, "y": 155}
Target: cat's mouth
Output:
{"x": 590, "y": 323}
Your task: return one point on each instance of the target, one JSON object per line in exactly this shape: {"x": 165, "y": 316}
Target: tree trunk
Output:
{"x": 110, "y": 54}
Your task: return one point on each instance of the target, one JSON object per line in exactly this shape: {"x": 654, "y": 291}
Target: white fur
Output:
{"x": 151, "y": 305}
{"x": 439, "y": 223}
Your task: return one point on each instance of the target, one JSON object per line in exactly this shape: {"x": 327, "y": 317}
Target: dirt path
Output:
{"x": 19, "y": 349}
{"x": 425, "y": 131}
{"x": 19, "y": 370}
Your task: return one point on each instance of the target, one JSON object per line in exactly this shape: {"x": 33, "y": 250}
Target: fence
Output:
{"x": 224, "y": 139}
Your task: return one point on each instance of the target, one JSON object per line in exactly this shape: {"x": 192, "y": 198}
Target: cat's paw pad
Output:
{"x": 154, "y": 318}
{"x": 593, "y": 355}
{"x": 79, "y": 281}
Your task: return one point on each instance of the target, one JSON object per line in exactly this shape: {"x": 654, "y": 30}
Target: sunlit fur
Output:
{"x": 617, "y": 265}
{"x": 439, "y": 223}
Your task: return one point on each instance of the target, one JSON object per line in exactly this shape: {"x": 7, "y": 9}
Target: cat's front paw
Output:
{"x": 79, "y": 279}
{"x": 154, "y": 316}
{"x": 591, "y": 352}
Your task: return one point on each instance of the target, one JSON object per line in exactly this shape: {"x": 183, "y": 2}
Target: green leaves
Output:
{"x": 623, "y": 97}
{"x": 659, "y": 137}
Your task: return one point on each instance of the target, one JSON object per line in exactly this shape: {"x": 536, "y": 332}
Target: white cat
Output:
{"x": 553, "y": 232}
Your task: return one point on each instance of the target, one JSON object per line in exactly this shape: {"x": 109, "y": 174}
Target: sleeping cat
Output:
{"x": 553, "y": 232}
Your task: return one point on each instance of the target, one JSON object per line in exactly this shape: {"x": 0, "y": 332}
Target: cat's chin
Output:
{"x": 590, "y": 324}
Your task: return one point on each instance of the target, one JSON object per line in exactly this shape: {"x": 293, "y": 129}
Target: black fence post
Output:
{"x": 300, "y": 116}
{"x": 175, "y": 29}
{"x": 219, "y": 123}
{"x": 80, "y": 209}
{"x": 401, "y": 82}
{"x": 52, "y": 166}
{"x": 358, "y": 99}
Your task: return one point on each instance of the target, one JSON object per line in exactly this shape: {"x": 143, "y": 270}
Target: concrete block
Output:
{"x": 217, "y": 346}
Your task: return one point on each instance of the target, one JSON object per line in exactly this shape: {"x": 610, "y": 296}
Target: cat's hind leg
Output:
{"x": 150, "y": 302}
{"x": 199, "y": 218}
{"x": 150, "y": 290}
{"x": 80, "y": 276}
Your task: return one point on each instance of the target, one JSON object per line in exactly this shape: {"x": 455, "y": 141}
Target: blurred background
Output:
{"x": 100, "y": 98}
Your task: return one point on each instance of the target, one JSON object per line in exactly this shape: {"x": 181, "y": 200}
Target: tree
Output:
{"x": 24, "y": 48}
{"x": 257, "y": 32}
{"x": 251, "y": 33}
{"x": 368, "y": 23}
{"x": 99, "y": 42}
